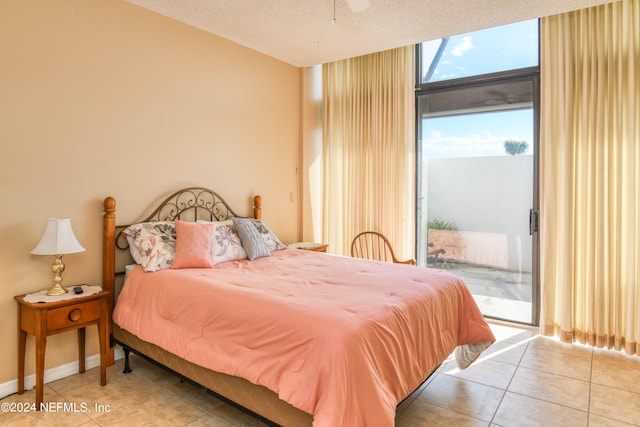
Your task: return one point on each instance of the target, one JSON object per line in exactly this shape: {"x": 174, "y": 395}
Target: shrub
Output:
{"x": 438, "y": 224}
{"x": 515, "y": 147}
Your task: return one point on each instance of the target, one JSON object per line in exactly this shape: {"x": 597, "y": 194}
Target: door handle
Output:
{"x": 533, "y": 221}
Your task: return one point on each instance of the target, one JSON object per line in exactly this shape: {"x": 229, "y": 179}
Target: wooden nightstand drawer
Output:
{"x": 72, "y": 315}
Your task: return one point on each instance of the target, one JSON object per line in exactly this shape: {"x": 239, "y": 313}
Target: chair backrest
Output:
{"x": 373, "y": 245}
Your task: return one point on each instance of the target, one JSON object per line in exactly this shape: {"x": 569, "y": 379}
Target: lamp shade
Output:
{"x": 58, "y": 239}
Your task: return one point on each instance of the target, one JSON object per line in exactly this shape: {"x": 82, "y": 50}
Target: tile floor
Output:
{"x": 522, "y": 380}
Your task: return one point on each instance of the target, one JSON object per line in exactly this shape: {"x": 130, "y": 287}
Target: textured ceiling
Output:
{"x": 301, "y": 33}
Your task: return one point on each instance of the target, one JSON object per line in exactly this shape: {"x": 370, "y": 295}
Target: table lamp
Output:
{"x": 58, "y": 239}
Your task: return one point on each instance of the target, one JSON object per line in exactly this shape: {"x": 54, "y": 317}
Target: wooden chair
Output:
{"x": 373, "y": 245}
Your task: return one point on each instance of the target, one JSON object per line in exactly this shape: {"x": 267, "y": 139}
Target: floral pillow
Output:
{"x": 152, "y": 244}
{"x": 225, "y": 242}
{"x": 273, "y": 243}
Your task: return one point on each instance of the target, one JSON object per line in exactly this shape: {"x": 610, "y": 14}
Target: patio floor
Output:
{"x": 499, "y": 293}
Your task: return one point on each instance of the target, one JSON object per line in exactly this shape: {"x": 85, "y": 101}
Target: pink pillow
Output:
{"x": 193, "y": 245}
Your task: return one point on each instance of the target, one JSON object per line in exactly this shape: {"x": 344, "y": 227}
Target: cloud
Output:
{"x": 462, "y": 46}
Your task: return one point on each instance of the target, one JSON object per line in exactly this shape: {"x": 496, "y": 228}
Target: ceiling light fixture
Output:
{"x": 333, "y": 21}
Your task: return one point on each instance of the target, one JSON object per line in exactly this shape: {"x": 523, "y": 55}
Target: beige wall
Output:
{"x": 103, "y": 98}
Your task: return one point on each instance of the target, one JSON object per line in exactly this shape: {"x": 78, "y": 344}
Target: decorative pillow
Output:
{"x": 152, "y": 244}
{"x": 252, "y": 241}
{"x": 273, "y": 243}
{"x": 225, "y": 242}
{"x": 193, "y": 245}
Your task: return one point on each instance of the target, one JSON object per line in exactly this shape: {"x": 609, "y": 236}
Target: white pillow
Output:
{"x": 273, "y": 243}
{"x": 225, "y": 242}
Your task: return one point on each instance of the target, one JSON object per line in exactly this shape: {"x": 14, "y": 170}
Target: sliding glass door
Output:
{"x": 477, "y": 131}
{"x": 477, "y": 191}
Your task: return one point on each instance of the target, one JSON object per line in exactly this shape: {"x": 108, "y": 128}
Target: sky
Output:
{"x": 476, "y": 134}
{"x": 496, "y": 49}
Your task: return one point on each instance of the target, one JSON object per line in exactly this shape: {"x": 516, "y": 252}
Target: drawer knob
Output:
{"x": 75, "y": 314}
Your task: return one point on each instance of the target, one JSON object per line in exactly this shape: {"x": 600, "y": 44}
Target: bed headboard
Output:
{"x": 188, "y": 204}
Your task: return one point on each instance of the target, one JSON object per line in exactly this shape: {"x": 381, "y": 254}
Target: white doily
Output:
{"x": 43, "y": 297}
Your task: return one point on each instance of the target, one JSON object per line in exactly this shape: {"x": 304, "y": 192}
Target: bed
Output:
{"x": 294, "y": 337}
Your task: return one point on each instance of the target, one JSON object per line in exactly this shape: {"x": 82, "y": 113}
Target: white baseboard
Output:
{"x": 53, "y": 374}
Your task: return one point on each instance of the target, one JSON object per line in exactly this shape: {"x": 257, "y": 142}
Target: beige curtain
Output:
{"x": 368, "y": 133}
{"x": 590, "y": 176}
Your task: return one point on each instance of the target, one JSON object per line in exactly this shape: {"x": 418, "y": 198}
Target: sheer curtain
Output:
{"x": 368, "y": 132}
{"x": 590, "y": 176}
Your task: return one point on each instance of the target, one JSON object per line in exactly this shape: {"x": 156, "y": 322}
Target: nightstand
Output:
{"x": 310, "y": 246}
{"x": 49, "y": 318}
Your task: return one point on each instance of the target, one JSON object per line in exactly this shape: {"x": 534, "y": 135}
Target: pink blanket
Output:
{"x": 340, "y": 338}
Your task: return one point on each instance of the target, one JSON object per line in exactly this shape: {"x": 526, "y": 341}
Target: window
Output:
{"x": 503, "y": 48}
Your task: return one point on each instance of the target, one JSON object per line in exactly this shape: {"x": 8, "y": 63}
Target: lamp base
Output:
{"x": 57, "y": 267}
{"x": 57, "y": 290}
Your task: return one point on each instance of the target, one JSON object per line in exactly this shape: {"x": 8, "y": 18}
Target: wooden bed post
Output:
{"x": 109, "y": 264}
{"x": 257, "y": 207}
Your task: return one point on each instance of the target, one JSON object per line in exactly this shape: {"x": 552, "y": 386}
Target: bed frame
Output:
{"x": 189, "y": 204}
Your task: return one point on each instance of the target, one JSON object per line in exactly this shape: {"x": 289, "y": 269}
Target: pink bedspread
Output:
{"x": 342, "y": 339}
